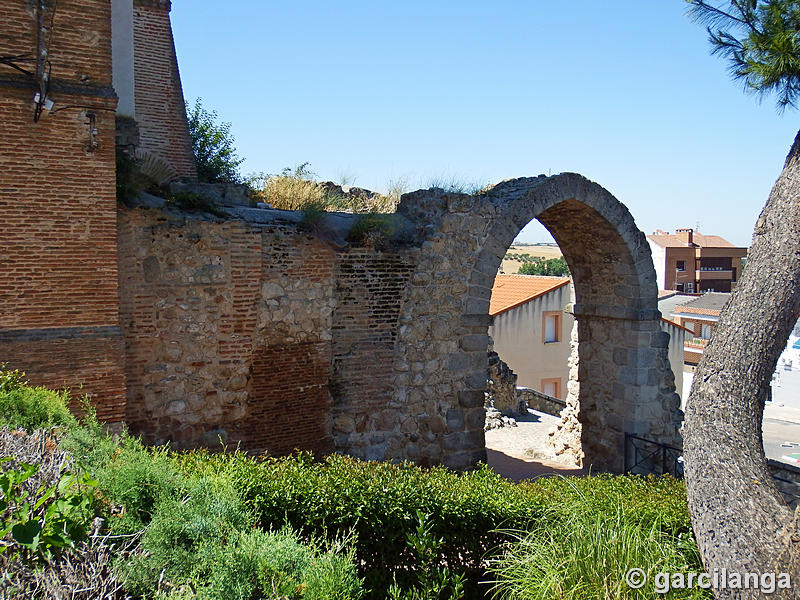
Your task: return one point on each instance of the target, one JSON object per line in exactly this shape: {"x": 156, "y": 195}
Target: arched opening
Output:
{"x": 622, "y": 382}
{"x": 531, "y": 342}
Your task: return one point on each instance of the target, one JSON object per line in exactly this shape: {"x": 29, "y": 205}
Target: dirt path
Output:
{"x": 523, "y": 452}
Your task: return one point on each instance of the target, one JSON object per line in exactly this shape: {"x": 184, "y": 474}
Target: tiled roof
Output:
{"x": 512, "y": 290}
{"x": 710, "y": 303}
{"x": 666, "y": 240}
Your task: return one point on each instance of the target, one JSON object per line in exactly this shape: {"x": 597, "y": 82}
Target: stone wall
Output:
{"x": 541, "y": 402}
{"x": 228, "y": 329}
{"x": 58, "y": 267}
{"x": 258, "y": 330}
{"x": 622, "y": 382}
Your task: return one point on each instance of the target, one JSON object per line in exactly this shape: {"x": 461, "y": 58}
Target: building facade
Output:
{"x": 691, "y": 262}
{"x": 531, "y": 331}
{"x": 699, "y": 317}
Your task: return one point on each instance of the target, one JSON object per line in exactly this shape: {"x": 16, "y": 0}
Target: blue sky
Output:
{"x": 622, "y": 92}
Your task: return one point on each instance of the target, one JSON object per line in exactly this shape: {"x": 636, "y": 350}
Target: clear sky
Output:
{"x": 623, "y": 92}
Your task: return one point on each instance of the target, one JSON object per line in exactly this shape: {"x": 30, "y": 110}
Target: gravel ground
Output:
{"x": 523, "y": 452}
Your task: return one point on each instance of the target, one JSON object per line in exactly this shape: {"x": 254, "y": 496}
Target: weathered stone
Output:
{"x": 455, "y": 419}
{"x": 237, "y": 382}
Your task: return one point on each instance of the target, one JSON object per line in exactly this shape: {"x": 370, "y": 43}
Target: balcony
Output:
{"x": 695, "y": 344}
{"x": 706, "y": 273}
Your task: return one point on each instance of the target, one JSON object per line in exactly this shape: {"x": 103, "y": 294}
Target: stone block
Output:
{"x": 455, "y": 419}
{"x": 481, "y": 319}
{"x": 476, "y": 380}
{"x": 471, "y": 398}
{"x": 475, "y": 418}
{"x": 475, "y": 342}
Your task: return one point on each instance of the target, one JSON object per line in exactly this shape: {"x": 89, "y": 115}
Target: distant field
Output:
{"x": 512, "y": 266}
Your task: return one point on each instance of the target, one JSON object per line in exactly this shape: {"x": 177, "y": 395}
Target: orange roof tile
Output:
{"x": 512, "y": 290}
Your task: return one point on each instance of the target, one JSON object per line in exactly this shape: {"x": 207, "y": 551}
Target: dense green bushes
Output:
{"x": 27, "y": 407}
{"x": 234, "y": 526}
{"x": 379, "y": 503}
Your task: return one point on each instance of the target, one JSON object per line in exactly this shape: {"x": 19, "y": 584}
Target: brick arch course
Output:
{"x": 622, "y": 382}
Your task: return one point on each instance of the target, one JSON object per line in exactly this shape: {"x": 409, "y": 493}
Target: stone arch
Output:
{"x": 622, "y": 382}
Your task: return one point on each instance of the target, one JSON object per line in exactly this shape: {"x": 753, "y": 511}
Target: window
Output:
{"x": 705, "y": 332}
{"x": 680, "y": 265}
{"x": 551, "y": 387}
{"x": 689, "y": 325}
{"x": 690, "y": 287}
{"x": 551, "y": 327}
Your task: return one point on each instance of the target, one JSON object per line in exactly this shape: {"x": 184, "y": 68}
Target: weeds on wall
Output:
{"x": 131, "y": 181}
{"x": 191, "y": 202}
{"x": 372, "y": 230}
{"x": 297, "y": 188}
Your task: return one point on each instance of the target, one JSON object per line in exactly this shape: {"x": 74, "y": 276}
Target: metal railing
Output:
{"x": 646, "y": 457}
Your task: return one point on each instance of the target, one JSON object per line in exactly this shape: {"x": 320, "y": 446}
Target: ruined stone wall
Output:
{"x": 277, "y": 334}
{"x": 228, "y": 330}
{"x": 58, "y": 267}
{"x": 259, "y": 333}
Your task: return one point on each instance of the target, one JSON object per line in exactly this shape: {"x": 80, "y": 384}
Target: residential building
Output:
{"x": 699, "y": 316}
{"x": 689, "y": 261}
{"x": 531, "y": 331}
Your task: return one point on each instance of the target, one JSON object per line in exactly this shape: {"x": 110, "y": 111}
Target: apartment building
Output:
{"x": 691, "y": 262}
{"x": 700, "y": 317}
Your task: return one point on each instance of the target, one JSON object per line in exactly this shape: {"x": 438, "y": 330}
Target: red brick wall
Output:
{"x": 289, "y": 402}
{"x": 160, "y": 108}
{"x": 227, "y": 328}
{"x": 80, "y": 48}
{"x": 58, "y": 265}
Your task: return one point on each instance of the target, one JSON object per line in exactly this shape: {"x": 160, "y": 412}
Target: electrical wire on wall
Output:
{"x": 44, "y": 39}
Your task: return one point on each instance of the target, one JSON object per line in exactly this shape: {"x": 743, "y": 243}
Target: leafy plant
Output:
{"x": 25, "y": 407}
{"x": 434, "y": 582}
{"x": 39, "y": 525}
{"x": 10, "y": 380}
{"x": 213, "y": 146}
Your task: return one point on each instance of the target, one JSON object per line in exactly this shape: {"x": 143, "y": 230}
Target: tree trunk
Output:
{"x": 740, "y": 519}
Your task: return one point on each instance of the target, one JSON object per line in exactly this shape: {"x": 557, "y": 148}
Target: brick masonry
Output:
{"x": 160, "y": 108}
{"x": 58, "y": 267}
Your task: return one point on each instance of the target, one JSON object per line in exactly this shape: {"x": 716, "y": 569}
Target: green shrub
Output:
{"x": 25, "y": 407}
{"x": 206, "y": 543}
{"x": 137, "y": 480}
{"x": 576, "y": 555}
{"x": 433, "y": 580}
{"x": 379, "y": 502}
